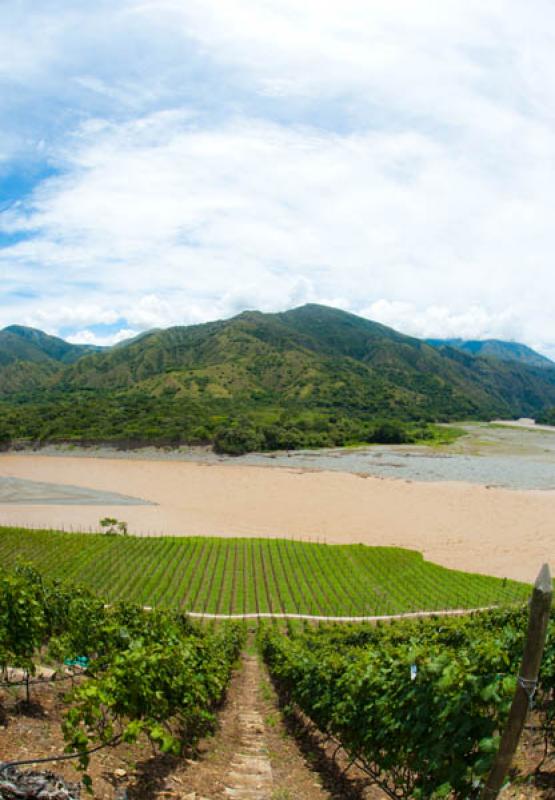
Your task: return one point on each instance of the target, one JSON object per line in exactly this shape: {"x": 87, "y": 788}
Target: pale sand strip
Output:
{"x": 493, "y": 531}
{"x": 451, "y": 612}
{"x": 527, "y": 424}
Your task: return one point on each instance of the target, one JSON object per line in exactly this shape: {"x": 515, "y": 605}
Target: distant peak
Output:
{"x": 23, "y": 329}
{"x": 496, "y": 348}
{"x": 319, "y": 308}
{"x": 249, "y": 312}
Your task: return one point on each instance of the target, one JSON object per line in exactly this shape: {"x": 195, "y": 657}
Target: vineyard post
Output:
{"x": 540, "y": 606}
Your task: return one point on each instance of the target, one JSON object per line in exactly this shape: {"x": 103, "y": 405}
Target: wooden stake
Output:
{"x": 540, "y": 606}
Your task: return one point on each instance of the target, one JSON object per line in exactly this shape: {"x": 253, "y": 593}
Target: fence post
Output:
{"x": 540, "y": 606}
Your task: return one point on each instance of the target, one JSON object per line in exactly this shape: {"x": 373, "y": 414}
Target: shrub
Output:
{"x": 238, "y": 439}
{"x": 390, "y": 432}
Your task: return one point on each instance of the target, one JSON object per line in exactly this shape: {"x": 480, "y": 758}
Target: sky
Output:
{"x": 167, "y": 162}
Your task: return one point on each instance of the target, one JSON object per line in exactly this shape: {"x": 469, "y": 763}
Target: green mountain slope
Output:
{"x": 314, "y": 355}
{"x": 495, "y": 348}
{"x": 29, "y": 357}
{"x": 18, "y": 342}
{"x": 313, "y": 375}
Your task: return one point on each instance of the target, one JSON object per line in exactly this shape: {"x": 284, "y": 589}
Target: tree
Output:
{"x": 238, "y": 439}
{"x": 547, "y": 417}
{"x": 113, "y": 526}
{"x": 5, "y": 436}
{"x": 390, "y": 432}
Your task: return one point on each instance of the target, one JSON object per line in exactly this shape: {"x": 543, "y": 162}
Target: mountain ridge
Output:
{"x": 496, "y": 348}
{"x": 29, "y": 357}
{"x": 67, "y": 352}
{"x": 51, "y": 346}
{"x": 306, "y": 371}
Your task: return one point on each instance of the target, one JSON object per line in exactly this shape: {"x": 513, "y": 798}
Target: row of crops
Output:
{"x": 151, "y": 673}
{"x": 236, "y": 576}
{"x": 420, "y": 704}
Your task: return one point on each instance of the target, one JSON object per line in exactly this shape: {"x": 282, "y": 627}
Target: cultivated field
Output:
{"x": 239, "y": 576}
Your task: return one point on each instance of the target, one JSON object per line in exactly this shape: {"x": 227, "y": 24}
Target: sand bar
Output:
{"x": 19, "y": 491}
{"x": 493, "y": 531}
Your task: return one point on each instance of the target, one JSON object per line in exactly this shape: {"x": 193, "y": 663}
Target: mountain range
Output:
{"x": 496, "y": 348}
{"x": 309, "y": 371}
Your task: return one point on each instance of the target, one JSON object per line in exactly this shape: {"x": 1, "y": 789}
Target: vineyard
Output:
{"x": 242, "y": 576}
{"x": 418, "y": 705}
{"x": 145, "y": 673}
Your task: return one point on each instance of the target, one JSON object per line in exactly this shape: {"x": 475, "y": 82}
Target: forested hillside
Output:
{"x": 312, "y": 376}
{"x": 29, "y": 357}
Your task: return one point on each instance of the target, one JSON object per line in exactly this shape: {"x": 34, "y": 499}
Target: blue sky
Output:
{"x": 165, "y": 163}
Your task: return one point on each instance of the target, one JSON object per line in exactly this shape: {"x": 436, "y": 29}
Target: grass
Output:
{"x": 224, "y": 576}
{"x": 436, "y": 436}
{"x": 442, "y": 435}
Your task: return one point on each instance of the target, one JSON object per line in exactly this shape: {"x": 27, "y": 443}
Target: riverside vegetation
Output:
{"x": 310, "y": 377}
{"x": 547, "y": 417}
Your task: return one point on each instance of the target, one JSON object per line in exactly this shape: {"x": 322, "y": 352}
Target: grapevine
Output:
{"x": 147, "y": 672}
{"x": 418, "y": 704}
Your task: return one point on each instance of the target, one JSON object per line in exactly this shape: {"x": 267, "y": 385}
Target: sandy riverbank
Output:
{"x": 494, "y": 531}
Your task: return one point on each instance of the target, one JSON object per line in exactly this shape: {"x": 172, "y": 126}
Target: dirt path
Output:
{"x": 250, "y": 773}
{"x": 252, "y": 756}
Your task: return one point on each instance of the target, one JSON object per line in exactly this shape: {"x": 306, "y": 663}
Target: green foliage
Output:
{"x": 178, "y": 677}
{"x": 251, "y": 575}
{"x": 150, "y": 672}
{"x": 23, "y": 623}
{"x": 5, "y": 435}
{"x": 391, "y": 432}
{"x": 238, "y": 439}
{"x": 113, "y": 526}
{"x": 420, "y": 703}
{"x": 547, "y": 417}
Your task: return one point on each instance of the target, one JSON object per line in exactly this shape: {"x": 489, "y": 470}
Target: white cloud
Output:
{"x": 431, "y": 322}
{"x": 394, "y": 159}
{"x": 89, "y": 337}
